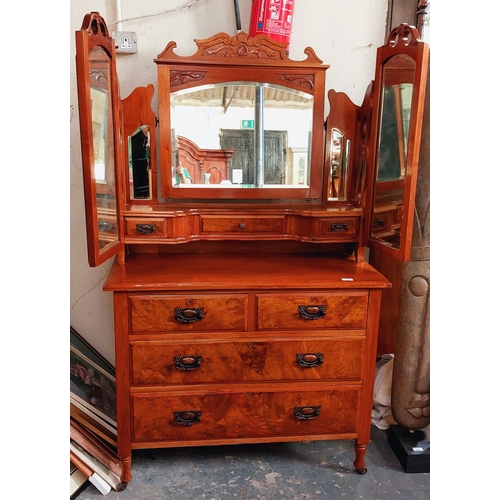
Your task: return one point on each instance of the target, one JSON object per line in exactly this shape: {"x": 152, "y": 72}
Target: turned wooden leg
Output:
{"x": 359, "y": 462}
{"x": 126, "y": 474}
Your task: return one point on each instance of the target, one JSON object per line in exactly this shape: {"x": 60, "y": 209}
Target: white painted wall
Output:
{"x": 344, "y": 35}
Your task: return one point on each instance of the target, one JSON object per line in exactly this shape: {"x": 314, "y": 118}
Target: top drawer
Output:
{"x": 167, "y": 313}
{"x": 305, "y": 312}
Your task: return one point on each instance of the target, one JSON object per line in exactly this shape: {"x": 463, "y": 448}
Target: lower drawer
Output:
{"x": 200, "y": 415}
{"x": 167, "y": 363}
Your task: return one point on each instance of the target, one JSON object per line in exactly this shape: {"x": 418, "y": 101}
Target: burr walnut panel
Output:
{"x": 169, "y": 418}
{"x": 157, "y": 313}
{"x": 242, "y": 224}
{"x": 333, "y": 310}
{"x": 167, "y": 363}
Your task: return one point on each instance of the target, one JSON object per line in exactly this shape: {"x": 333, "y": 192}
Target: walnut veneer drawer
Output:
{"x": 136, "y": 226}
{"x": 242, "y": 225}
{"x": 165, "y": 363}
{"x": 245, "y": 414}
{"x": 167, "y": 313}
{"x": 339, "y": 227}
{"x": 335, "y": 310}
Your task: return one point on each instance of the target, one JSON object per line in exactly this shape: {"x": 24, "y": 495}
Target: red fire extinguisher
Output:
{"x": 272, "y": 18}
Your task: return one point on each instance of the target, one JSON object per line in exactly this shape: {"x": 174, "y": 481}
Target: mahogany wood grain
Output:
{"x": 122, "y": 383}
{"x": 167, "y": 272}
{"x": 391, "y": 267}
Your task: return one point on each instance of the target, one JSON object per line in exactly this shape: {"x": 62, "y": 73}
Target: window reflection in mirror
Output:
{"x": 243, "y": 135}
{"x": 339, "y": 153}
{"x": 103, "y": 147}
{"x": 139, "y": 164}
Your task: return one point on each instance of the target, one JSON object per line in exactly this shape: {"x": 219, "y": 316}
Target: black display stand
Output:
{"x": 413, "y": 449}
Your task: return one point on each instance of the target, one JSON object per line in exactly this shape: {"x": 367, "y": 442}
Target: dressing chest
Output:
{"x": 244, "y": 309}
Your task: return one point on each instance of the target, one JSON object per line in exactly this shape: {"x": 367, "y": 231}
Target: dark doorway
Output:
{"x": 242, "y": 140}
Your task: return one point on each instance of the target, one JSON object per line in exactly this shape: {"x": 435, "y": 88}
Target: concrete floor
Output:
{"x": 293, "y": 471}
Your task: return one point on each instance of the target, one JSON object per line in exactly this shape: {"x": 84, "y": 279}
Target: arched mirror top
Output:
{"x": 235, "y": 100}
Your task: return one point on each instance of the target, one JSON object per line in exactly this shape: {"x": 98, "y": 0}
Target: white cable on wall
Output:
{"x": 120, "y": 21}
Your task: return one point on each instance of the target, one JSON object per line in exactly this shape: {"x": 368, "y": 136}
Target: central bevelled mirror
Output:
{"x": 268, "y": 127}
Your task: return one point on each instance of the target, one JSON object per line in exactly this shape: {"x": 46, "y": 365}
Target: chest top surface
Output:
{"x": 182, "y": 272}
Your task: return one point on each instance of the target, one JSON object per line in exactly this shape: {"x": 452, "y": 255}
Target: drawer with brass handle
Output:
{"x": 291, "y": 311}
{"x": 145, "y": 227}
{"x": 168, "y": 418}
{"x": 170, "y": 363}
{"x": 184, "y": 313}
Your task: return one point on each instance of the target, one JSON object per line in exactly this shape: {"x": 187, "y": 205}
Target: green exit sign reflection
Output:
{"x": 247, "y": 123}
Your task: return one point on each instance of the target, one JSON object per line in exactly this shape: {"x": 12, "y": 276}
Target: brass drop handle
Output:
{"x": 187, "y": 363}
{"x": 145, "y": 228}
{"x": 338, "y": 227}
{"x": 187, "y": 417}
{"x": 309, "y": 360}
{"x": 312, "y": 312}
{"x": 188, "y": 314}
{"x": 306, "y": 412}
{"x": 242, "y": 225}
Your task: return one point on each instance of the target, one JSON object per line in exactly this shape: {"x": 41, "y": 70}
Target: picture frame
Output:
{"x": 92, "y": 379}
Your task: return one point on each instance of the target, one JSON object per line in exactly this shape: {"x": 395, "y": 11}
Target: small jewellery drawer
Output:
{"x": 243, "y": 224}
{"x": 335, "y": 310}
{"x": 168, "y": 363}
{"x": 243, "y": 413}
{"x": 167, "y": 313}
{"x": 145, "y": 226}
{"x": 347, "y": 226}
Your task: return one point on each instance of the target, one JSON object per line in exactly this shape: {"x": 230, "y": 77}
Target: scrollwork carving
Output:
{"x": 300, "y": 80}
{"x": 404, "y": 35}
{"x": 241, "y": 47}
{"x": 179, "y": 77}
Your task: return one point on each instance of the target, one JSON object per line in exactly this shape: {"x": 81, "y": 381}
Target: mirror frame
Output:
{"x": 225, "y": 58}
{"x": 94, "y": 33}
{"x": 403, "y": 40}
{"x": 342, "y": 117}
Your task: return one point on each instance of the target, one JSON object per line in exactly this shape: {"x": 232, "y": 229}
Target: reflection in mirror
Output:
{"x": 139, "y": 164}
{"x": 242, "y": 134}
{"x": 339, "y": 154}
{"x": 397, "y": 90}
{"x": 103, "y": 146}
